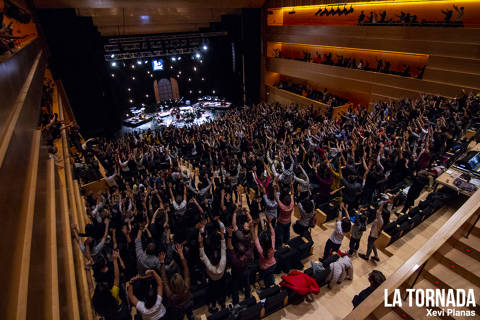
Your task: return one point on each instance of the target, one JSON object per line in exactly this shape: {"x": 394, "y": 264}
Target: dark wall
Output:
{"x": 251, "y": 40}
{"x": 100, "y": 100}
{"x": 77, "y": 59}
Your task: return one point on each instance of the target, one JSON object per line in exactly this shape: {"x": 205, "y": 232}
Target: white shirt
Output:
{"x": 180, "y": 208}
{"x": 337, "y": 235}
{"x": 154, "y": 313}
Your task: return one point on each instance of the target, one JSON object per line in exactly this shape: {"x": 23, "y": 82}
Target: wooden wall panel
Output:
{"x": 13, "y": 73}
{"x": 362, "y": 80}
{"x": 405, "y": 41}
{"x": 468, "y": 80}
{"x": 455, "y": 64}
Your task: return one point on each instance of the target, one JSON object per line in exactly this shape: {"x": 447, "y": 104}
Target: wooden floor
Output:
{"x": 336, "y": 303}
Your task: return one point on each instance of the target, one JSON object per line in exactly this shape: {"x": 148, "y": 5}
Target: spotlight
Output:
{"x": 114, "y": 64}
{"x": 179, "y": 58}
{"x": 203, "y": 79}
{"x": 139, "y": 62}
{"x": 194, "y": 68}
{"x": 143, "y": 104}
{"x": 133, "y": 78}
{"x": 146, "y": 61}
{"x": 133, "y": 66}
{"x": 197, "y": 55}
{"x": 146, "y": 95}
{"x": 199, "y": 91}
{"x": 174, "y": 59}
{"x": 129, "y": 89}
{"x": 171, "y": 67}
{"x": 189, "y": 79}
{"x": 178, "y": 76}
{"x": 204, "y": 47}
{"x": 213, "y": 91}
{"x": 180, "y": 71}
{"x": 112, "y": 56}
{"x": 151, "y": 76}
{"x": 148, "y": 72}
{"x": 113, "y": 75}
{"x": 131, "y": 100}
{"x": 201, "y": 61}
{"x": 191, "y": 91}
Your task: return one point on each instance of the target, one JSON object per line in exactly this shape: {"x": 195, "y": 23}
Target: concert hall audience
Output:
{"x": 323, "y": 97}
{"x": 381, "y": 65}
{"x": 161, "y": 218}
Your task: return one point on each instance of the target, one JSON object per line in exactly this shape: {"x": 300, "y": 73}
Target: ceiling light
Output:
{"x": 180, "y": 71}
{"x": 204, "y": 47}
{"x": 112, "y": 56}
{"x": 113, "y": 75}
{"x": 146, "y": 95}
{"x": 197, "y": 55}
{"x": 145, "y": 61}
{"x": 191, "y": 91}
{"x": 213, "y": 91}
{"x": 203, "y": 79}
{"x": 129, "y": 89}
{"x": 114, "y": 64}
{"x": 133, "y": 78}
{"x": 171, "y": 67}
{"x": 199, "y": 91}
{"x": 174, "y": 59}
{"x": 131, "y": 100}
{"x": 151, "y": 76}
{"x": 133, "y": 66}
{"x": 179, "y": 58}
{"x": 194, "y": 68}
{"x": 139, "y": 62}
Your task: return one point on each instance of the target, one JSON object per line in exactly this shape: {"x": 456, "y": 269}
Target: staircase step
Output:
{"x": 426, "y": 284}
{"x": 470, "y": 246}
{"x": 392, "y": 315}
{"x": 465, "y": 265}
{"x": 445, "y": 277}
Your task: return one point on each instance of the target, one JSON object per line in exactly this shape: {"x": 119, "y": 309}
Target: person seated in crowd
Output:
{"x": 156, "y": 217}
{"x": 376, "y": 278}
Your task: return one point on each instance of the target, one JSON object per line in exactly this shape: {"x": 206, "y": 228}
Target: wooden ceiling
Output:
{"x": 121, "y": 17}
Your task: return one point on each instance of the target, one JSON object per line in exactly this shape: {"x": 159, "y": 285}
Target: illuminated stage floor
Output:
{"x": 165, "y": 118}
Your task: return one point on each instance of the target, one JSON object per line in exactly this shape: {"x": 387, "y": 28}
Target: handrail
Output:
{"x": 462, "y": 215}
{"x": 68, "y": 267}
{"x": 70, "y": 309}
{"x": 19, "y": 294}
{"x": 83, "y": 295}
{"x": 311, "y": 101}
{"x": 51, "y": 283}
{"x": 7, "y": 132}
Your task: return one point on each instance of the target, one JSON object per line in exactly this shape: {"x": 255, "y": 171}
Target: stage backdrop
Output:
{"x": 164, "y": 89}
{"x": 175, "y": 91}
{"x": 155, "y": 91}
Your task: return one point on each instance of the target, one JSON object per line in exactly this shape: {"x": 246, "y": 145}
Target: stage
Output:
{"x": 185, "y": 115}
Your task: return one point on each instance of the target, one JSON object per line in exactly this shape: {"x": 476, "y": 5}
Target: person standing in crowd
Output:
{"x": 342, "y": 226}
{"x": 375, "y": 230}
